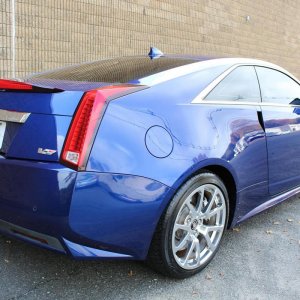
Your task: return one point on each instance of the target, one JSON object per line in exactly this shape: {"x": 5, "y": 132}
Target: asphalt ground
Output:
{"x": 258, "y": 260}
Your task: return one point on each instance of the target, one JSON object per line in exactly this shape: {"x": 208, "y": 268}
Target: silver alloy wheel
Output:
{"x": 199, "y": 226}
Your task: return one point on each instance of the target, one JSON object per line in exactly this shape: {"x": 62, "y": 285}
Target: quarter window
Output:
{"x": 240, "y": 85}
{"x": 277, "y": 87}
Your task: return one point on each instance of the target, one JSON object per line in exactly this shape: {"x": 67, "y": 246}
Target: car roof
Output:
{"x": 119, "y": 69}
{"x": 140, "y": 69}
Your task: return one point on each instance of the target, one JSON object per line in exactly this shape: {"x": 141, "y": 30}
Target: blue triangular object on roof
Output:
{"x": 154, "y": 53}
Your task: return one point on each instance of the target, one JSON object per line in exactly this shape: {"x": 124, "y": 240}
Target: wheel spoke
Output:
{"x": 198, "y": 251}
{"x": 181, "y": 227}
{"x": 210, "y": 228}
{"x": 209, "y": 242}
{"x": 182, "y": 243}
{"x": 200, "y": 201}
{"x": 214, "y": 211}
{"x": 190, "y": 251}
{"x": 211, "y": 202}
{"x": 192, "y": 209}
{"x": 205, "y": 230}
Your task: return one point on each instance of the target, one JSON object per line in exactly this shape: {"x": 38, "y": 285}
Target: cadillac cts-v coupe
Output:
{"x": 146, "y": 158}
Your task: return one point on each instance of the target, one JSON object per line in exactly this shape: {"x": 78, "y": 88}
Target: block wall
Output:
{"x": 39, "y": 35}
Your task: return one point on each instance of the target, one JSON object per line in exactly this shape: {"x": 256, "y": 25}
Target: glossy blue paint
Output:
{"x": 148, "y": 144}
{"x": 159, "y": 142}
{"x": 240, "y": 144}
{"x": 118, "y": 211}
{"x": 283, "y": 138}
{"x": 81, "y": 207}
{"x": 43, "y": 131}
{"x": 61, "y": 103}
{"x": 270, "y": 203}
{"x": 248, "y": 199}
{"x": 36, "y": 195}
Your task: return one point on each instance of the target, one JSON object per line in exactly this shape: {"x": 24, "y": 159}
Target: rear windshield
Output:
{"x": 121, "y": 70}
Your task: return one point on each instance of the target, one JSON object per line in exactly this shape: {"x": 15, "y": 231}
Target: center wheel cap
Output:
{"x": 194, "y": 224}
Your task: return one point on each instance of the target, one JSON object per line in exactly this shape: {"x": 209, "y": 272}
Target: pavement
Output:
{"x": 258, "y": 260}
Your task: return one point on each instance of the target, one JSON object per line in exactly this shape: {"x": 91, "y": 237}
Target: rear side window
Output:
{"x": 240, "y": 85}
{"x": 277, "y": 87}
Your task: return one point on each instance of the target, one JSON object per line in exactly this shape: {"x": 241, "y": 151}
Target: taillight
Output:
{"x": 85, "y": 123}
{"x": 14, "y": 85}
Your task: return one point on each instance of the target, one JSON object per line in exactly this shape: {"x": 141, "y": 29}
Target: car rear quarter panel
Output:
{"x": 116, "y": 212}
{"x": 202, "y": 134}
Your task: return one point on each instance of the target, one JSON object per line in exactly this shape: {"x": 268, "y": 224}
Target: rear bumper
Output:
{"x": 85, "y": 214}
{"x": 51, "y": 243}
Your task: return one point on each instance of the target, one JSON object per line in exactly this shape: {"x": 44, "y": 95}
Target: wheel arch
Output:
{"x": 159, "y": 237}
{"x": 223, "y": 170}
{"x": 228, "y": 179}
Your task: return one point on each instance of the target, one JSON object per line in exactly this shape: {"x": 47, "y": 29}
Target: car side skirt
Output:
{"x": 270, "y": 203}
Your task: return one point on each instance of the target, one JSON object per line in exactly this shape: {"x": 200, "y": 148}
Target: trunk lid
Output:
{"x": 34, "y": 120}
{"x": 61, "y": 103}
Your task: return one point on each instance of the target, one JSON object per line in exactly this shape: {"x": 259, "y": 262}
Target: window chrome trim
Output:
{"x": 247, "y": 103}
{"x": 13, "y": 116}
{"x": 243, "y": 62}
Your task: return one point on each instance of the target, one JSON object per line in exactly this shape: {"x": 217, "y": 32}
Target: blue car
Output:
{"x": 146, "y": 157}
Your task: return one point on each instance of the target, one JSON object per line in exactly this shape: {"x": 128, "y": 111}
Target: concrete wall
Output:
{"x": 52, "y": 33}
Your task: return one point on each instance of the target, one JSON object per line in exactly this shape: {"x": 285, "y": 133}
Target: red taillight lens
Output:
{"x": 78, "y": 132}
{"x": 85, "y": 123}
{"x": 14, "y": 85}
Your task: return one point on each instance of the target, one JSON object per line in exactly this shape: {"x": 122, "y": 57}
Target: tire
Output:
{"x": 185, "y": 240}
